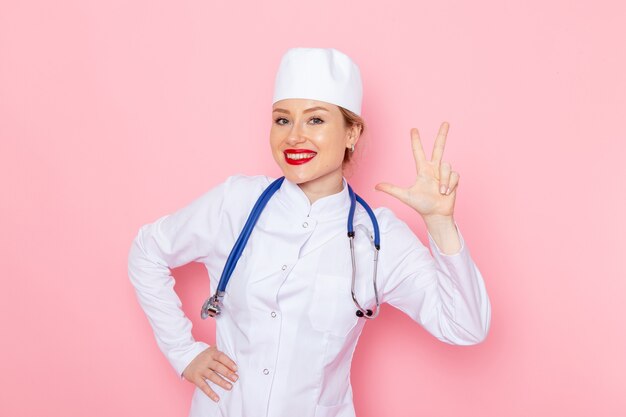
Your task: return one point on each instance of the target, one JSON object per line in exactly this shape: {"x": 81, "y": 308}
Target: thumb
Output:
{"x": 392, "y": 190}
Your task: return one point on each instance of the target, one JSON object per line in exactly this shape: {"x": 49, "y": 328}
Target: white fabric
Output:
{"x": 323, "y": 74}
{"x": 297, "y": 266}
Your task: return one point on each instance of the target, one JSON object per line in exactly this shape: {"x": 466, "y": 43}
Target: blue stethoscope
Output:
{"x": 212, "y": 305}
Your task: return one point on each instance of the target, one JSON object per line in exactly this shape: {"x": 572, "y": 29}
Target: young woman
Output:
{"x": 288, "y": 324}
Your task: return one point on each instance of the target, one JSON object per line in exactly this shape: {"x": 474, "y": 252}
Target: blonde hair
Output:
{"x": 350, "y": 119}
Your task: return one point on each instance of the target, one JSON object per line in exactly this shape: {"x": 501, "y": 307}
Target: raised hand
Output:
{"x": 434, "y": 191}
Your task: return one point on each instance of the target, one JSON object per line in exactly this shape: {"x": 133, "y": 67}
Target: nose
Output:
{"x": 296, "y": 135}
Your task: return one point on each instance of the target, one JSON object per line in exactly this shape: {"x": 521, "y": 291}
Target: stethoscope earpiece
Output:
{"x": 359, "y": 313}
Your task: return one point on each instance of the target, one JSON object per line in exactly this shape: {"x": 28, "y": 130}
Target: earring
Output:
{"x": 352, "y": 148}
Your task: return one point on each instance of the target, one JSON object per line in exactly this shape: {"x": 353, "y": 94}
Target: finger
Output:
{"x": 418, "y": 150}
{"x": 215, "y": 377}
{"x": 397, "y": 192}
{"x": 444, "y": 176}
{"x": 225, "y": 371}
{"x": 454, "y": 181}
{"x": 204, "y": 386}
{"x": 440, "y": 143}
{"x": 222, "y": 357}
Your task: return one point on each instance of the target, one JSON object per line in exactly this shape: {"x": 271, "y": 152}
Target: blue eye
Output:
{"x": 277, "y": 121}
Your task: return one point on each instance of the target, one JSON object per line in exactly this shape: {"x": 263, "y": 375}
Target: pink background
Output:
{"x": 114, "y": 113}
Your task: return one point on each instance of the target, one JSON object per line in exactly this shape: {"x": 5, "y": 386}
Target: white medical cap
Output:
{"x": 323, "y": 74}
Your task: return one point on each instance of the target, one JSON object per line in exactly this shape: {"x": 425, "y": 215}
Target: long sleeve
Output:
{"x": 185, "y": 236}
{"x": 444, "y": 293}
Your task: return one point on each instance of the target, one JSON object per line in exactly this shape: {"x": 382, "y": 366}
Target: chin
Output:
{"x": 295, "y": 174}
{"x": 296, "y": 178}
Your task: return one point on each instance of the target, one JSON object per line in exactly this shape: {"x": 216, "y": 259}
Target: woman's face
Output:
{"x": 309, "y": 139}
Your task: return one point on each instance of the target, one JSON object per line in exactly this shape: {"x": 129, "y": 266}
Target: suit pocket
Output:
{"x": 332, "y": 309}
{"x": 341, "y": 410}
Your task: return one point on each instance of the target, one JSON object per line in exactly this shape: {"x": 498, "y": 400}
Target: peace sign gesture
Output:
{"x": 434, "y": 191}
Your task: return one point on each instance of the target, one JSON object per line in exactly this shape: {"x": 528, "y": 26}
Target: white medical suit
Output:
{"x": 288, "y": 320}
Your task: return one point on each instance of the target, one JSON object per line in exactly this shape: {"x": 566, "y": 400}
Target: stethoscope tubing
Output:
{"x": 242, "y": 240}
{"x": 211, "y": 305}
{"x": 361, "y": 312}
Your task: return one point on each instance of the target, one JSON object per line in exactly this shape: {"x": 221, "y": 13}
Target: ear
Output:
{"x": 353, "y": 135}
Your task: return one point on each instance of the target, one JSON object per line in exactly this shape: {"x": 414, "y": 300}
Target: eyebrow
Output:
{"x": 306, "y": 111}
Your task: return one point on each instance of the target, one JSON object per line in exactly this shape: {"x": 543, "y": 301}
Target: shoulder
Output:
{"x": 241, "y": 183}
{"x": 389, "y": 223}
{"x": 385, "y": 217}
{"x": 233, "y": 190}
{"x": 241, "y": 191}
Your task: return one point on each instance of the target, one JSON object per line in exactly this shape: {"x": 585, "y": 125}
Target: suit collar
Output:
{"x": 330, "y": 207}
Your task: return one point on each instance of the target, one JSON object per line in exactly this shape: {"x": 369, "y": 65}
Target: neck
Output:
{"x": 319, "y": 188}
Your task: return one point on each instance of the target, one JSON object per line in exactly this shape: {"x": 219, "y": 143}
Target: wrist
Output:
{"x": 444, "y": 232}
{"x": 435, "y": 221}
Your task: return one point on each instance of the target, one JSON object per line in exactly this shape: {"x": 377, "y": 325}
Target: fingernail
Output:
{"x": 448, "y": 192}
{"x": 442, "y": 189}
{"x": 235, "y": 377}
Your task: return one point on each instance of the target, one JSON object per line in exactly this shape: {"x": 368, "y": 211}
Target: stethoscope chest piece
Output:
{"x": 212, "y": 305}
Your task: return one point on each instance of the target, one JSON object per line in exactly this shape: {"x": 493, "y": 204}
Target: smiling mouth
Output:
{"x": 294, "y": 157}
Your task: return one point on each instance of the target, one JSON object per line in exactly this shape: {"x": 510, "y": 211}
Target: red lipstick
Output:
{"x": 298, "y": 156}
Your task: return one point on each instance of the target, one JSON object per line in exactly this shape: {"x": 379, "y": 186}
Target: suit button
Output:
{"x": 273, "y": 314}
{"x": 284, "y": 267}
{"x": 266, "y": 371}
{"x": 305, "y": 225}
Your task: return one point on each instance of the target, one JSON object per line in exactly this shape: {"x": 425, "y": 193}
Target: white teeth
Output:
{"x": 300, "y": 155}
